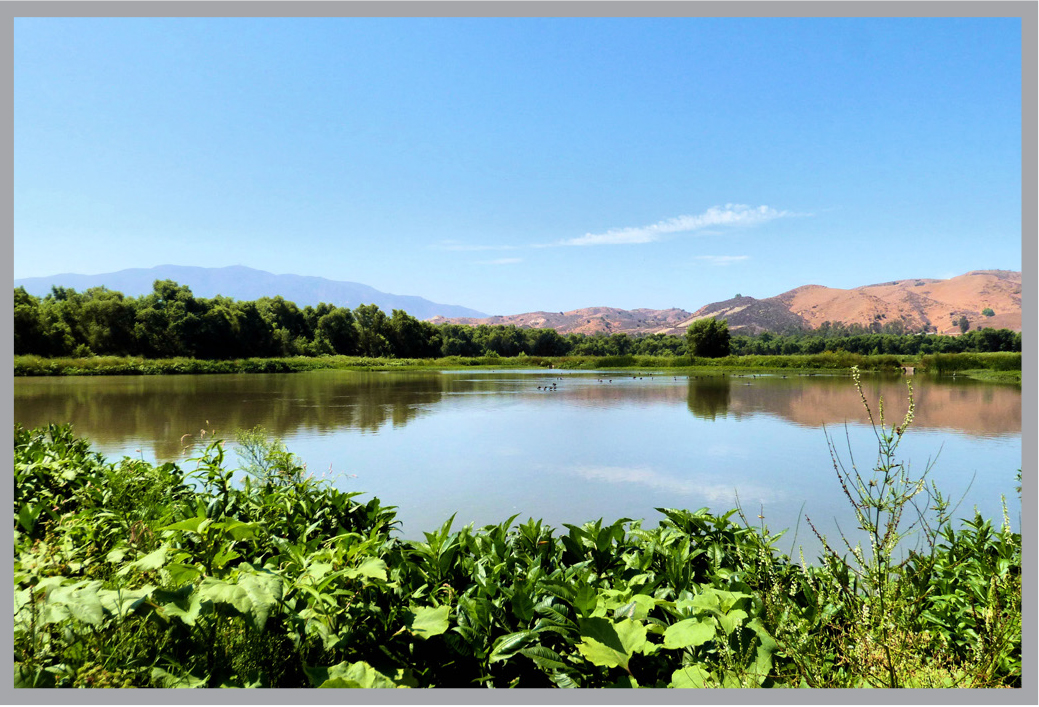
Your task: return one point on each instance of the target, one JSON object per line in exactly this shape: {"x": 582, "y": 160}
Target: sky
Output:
{"x": 514, "y": 165}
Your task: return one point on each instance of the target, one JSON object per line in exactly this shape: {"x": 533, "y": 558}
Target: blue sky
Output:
{"x": 512, "y": 165}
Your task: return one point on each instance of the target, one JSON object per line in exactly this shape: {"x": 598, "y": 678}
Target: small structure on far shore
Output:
{"x": 908, "y": 370}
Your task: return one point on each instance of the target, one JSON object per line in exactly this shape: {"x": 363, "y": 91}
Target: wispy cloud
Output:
{"x": 722, "y": 259}
{"x": 711, "y": 222}
{"x": 728, "y": 215}
{"x": 700, "y": 486}
{"x": 500, "y": 261}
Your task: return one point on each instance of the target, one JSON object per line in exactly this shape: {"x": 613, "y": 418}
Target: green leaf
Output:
{"x": 610, "y": 644}
{"x": 253, "y": 597}
{"x": 27, "y": 516}
{"x": 117, "y": 555}
{"x": 194, "y": 525}
{"x": 184, "y": 603}
{"x": 708, "y": 599}
{"x": 79, "y": 601}
{"x": 546, "y": 658}
{"x": 727, "y": 600}
{"x": 426, "y": 621}
{"x": 509, "y": 644}
{"x": 25, "y": 676}
{"x": 689, "y": 633}
{"x": 585, "y": 600}
{"x": 767, "y": 646}
{"x": 690, "y": 676}
{"x": 638, "y": 608}
{"x": 372, "y": 567}
{"x": 123, "y": 601}
{"x": 357, "y": 675}
{"x": 149, "y": 563}
{"x": 264, "y": 590}
{"x": 522, "y": 606}
{"x": 341, "y": 683}
{"x": 220, "y": 592}
{"x": 732, "y": 620}
{"x": 171, "y": 680}
{"x": 181, "y": 573}
{"x": 237, "y": 529}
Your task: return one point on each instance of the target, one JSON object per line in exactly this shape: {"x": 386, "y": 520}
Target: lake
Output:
{"x": 564, "y": 446}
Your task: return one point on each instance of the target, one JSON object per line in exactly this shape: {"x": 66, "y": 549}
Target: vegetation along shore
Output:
{"x": 170, "y": 331}
{"x": 129, "y": 574}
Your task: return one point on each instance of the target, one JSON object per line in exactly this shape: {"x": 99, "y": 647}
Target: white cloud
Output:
{"x": 699, "y": 486}
{"x": 500, "y": 261}
{"x": 728, "y": 215}
{"x": 723, "y": 259}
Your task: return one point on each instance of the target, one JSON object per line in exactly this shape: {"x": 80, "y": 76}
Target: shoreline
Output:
{"x": 1001, "y": 367}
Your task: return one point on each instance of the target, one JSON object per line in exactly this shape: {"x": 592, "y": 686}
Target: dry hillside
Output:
{"x": 918, "y": 303}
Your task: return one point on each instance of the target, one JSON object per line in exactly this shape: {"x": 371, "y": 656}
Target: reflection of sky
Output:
{"x": 709, "y": 489}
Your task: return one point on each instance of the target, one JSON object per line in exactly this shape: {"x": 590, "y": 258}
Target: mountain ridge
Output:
{"x": 919, "y": 304}
{"x": 244, "y": 283}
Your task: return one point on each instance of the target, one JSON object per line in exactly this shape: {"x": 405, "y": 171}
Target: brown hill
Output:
{"x": 919, "y": 304}
{"x": 922, "y": 304}
{"x": 590, "y": 320}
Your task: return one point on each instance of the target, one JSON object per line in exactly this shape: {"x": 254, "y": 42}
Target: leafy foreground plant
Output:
{"x": 128, "y": 574}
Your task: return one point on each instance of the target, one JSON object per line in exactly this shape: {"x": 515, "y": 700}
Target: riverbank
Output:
{"x": 993, "y": 367}
{"x": 128, "y": 574}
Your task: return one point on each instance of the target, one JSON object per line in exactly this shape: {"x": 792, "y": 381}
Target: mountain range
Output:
{"x": 918, "y": 303}
{"x": 242, "y": 283}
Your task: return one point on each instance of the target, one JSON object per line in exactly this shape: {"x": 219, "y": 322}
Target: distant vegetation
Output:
{"x": 171, "y": 323}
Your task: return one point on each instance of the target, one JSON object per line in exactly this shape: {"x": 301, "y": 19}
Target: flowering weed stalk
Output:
{"x": 880, "y": 500}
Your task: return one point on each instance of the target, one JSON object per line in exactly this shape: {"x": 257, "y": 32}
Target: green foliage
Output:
{"x": 128, "y": 574}
{"x": 172, "y": 331}
{"x": 267, "y": 460}
{"x": 948, "y": 363}
{"x": 708, "y": 338}
{"x": 988, "y": 312}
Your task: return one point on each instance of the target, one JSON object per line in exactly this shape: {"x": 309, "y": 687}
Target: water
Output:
{"x": 490, "y": 444}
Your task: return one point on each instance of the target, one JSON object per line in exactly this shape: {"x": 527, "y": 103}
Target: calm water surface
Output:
{"x": 488, "y": 445}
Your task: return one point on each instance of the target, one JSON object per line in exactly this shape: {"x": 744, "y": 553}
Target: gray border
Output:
{"x": 1027, "y": 11}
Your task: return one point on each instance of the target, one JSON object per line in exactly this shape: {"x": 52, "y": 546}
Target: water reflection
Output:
{"x": 700, "y": 489}
{"x": 564, "y": 447}
{"x": 709, "y": 397}
{"x": 157, "y": 411}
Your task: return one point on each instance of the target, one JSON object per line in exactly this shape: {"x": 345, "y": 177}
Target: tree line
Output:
{"x": 170, "y": 321}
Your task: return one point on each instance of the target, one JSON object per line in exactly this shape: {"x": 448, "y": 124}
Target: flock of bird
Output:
{"x": 554, "y": 386}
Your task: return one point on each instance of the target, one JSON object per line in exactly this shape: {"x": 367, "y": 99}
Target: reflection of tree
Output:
{"x": 709, "y": 396}
{"x": 122, "y": 410}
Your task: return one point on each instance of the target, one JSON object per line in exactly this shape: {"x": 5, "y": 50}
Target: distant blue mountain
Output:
{"x": 243, "y": 284}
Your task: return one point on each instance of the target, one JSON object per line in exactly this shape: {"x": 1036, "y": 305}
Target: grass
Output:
{"x": 978, "y": 366}
{"x": 128, "y": 574}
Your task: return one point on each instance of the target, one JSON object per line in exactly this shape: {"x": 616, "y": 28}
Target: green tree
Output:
{"x": 708, "y": 338}
{"x": 406, "y": 335}
{"x": 29, "y": 336}
{"x": 964, "y": 324}
{"x": 108, "y": 322}
{"x": 337, "y": 330}
{"x": 372, "y": 327}
{"x": 988, "y": 312}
